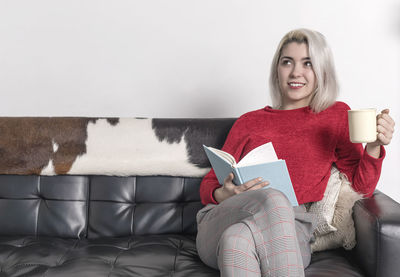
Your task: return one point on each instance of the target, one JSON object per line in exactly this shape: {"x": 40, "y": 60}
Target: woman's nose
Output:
{"x": 296, "y": 71}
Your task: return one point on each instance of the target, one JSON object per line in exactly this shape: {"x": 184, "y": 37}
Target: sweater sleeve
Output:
{"x": 234, "y": 145}
{"x": 362, "y": 170}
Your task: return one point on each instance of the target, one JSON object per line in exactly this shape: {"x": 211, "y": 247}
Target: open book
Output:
{"x": 259, "y": 162}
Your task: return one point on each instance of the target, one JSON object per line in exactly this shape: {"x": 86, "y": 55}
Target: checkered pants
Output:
{"x": 255, "y": 233}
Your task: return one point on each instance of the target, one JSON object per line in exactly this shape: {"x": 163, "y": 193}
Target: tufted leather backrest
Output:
{"x": 122, "y": 206}
{"x": 43, "y": 205}
{"x": 98, "y": 206}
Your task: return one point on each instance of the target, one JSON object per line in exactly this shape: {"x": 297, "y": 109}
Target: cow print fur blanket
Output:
{"x": 108, "y": 146}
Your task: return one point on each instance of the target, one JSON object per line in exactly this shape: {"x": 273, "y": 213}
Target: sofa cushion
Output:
{"x": 126, "y": 206}
{"x": 158, "y": 255}
{"x": 153, "y": 255}
{"x": 336, "y": 263}
{"x": 43, "y": 206}
{"x": 116, "y": 206}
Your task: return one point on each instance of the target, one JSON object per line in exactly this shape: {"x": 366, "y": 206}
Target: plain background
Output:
{"x": 188, "y": 58}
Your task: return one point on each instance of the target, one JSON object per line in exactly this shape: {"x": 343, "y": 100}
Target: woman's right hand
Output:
{"x": 229, "y": 189}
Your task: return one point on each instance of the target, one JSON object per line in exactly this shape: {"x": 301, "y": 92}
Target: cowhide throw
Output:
{"x": 108, "y": 146}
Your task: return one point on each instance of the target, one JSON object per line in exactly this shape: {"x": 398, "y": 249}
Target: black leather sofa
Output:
{"x": 97, "y": 225}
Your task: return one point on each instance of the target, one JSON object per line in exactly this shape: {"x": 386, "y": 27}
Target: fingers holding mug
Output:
{"x": 385, "y": 127}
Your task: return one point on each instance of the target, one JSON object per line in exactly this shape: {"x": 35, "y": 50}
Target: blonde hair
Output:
{"x": 322, "y": 61}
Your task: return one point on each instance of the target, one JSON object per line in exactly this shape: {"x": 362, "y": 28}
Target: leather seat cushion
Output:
{"x": 156, "y": 255}
{"x": 336, "y": 262}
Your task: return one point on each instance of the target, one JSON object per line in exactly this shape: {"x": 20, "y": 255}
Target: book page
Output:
{"x": 224, "y": 155}
{"x": 262, "y": 154}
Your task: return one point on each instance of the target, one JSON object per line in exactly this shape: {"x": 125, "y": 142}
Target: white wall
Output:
{"x": 187, "y": 58}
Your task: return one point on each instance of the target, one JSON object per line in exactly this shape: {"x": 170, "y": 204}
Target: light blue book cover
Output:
{"x": 275, "y": 172}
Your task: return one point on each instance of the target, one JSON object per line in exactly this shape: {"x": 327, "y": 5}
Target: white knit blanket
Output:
{"x": 334, "y": 214}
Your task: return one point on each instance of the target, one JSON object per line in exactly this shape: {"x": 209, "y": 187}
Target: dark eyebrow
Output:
{"x": 290, "y": 58}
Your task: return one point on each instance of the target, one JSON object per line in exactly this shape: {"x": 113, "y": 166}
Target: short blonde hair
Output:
{"x": 322, "y": 61}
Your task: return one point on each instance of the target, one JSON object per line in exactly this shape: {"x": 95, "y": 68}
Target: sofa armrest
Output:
{"x": 377, "y": 223}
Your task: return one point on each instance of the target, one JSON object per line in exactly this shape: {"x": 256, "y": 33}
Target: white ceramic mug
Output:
{"x": 362, "y": 125}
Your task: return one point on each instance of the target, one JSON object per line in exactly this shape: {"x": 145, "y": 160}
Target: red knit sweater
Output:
{"x": 309, "y": 142}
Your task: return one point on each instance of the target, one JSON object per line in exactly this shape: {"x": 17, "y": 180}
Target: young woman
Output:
{"x": 245, "y": 231}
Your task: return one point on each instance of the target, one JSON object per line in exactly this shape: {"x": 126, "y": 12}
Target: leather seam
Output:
{"x": 38, "y": 210}
{"x": 28, "y": 264}
{"x": 59, "y": 262}
{"x": 88, "y": 189}
{"x": 115, "y": 261}
{"x": 178, "y": 251}
{"x": 134, "y": 206}
{"x": 182, "y": 205}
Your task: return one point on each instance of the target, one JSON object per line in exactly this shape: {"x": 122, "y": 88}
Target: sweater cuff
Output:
{"x": 212, "y": 199}
{"x": 373, "y": 159}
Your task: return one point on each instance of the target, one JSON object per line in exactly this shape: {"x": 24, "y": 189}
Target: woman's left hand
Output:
{"x": 385, "y": 128}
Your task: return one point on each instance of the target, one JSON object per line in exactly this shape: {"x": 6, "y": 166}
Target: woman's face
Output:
{"x": 297, "y": 80}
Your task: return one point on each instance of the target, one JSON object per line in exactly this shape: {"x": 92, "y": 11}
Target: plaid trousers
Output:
{"x": 255, "y": 233}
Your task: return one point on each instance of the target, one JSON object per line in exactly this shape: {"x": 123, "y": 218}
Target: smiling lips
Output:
{"x": 296, "y": 85}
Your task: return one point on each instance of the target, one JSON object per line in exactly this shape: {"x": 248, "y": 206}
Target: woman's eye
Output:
{"x": 286, "y": 62}
{"x": 308, "y": 64}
